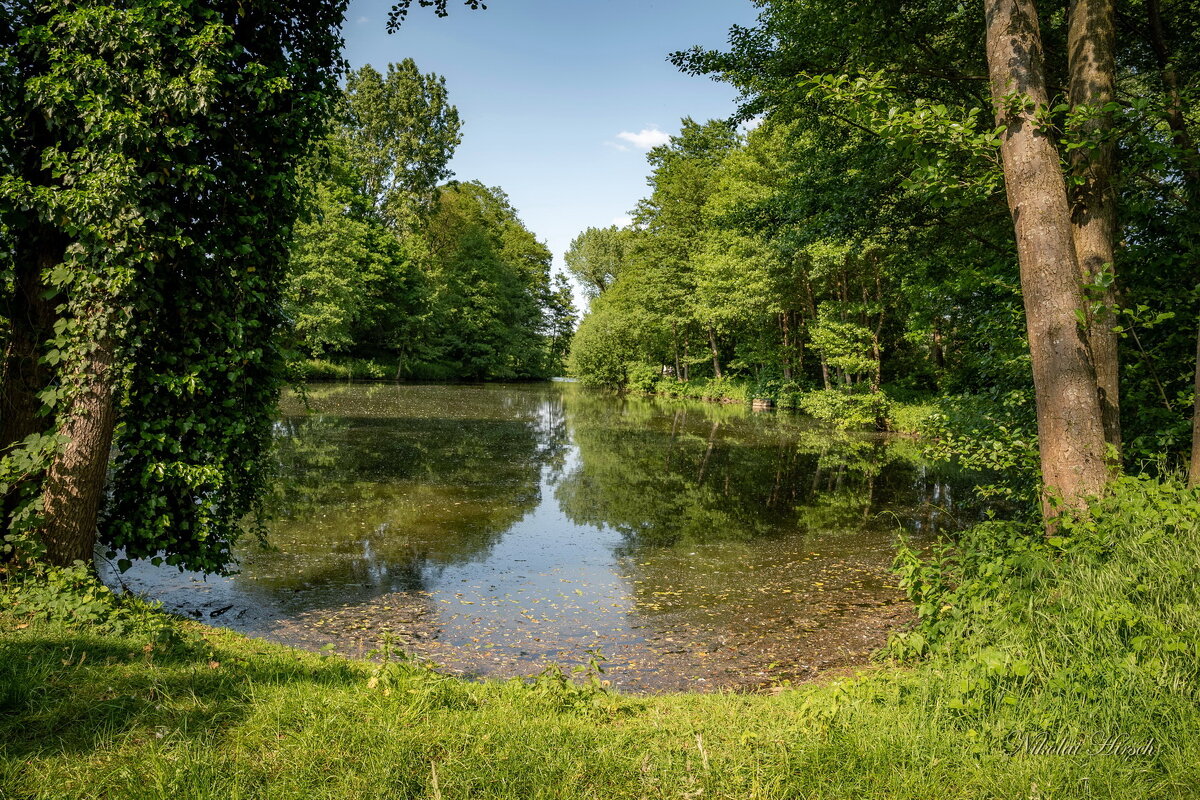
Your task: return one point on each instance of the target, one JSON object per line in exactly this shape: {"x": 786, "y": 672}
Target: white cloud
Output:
{"x": 361, "y": 20}
{"x": 622, "y": 222}
{"x": 645, "y": 138}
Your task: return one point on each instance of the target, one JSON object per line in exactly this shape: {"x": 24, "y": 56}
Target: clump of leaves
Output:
{"x": 76, "y": 596}
{"x": 847, "y": 409}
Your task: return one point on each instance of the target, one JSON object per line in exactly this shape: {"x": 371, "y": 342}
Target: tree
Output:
{"x": 399, "y": 133}
{"x": 490, "y": 286}
{"x": 597, "y": 256}
{"x": 1091, "y": 59}
{"x": 148, "y": 196}
{"x": 1070, "y": 422}
{"x": 354, "y": 284}
{"x": 561, "y": 317}
{"x": 671, "y": 218}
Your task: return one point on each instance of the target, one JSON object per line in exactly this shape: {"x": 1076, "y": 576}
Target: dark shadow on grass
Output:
{"x": 53, "y": 700}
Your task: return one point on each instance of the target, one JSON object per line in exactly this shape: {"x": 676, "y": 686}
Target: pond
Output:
{"x": 495, "y": 529}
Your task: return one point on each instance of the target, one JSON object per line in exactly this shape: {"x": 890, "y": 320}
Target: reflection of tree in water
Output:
{"x": 667, "y": 476}
{"x": 374, "y": 503}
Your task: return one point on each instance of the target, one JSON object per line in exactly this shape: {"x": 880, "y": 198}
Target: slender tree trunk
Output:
{"x": 675, "y": 348}
{"x": 716, "y": 354}
{"x": 1091, "y": 47}
{"x": 1070, "y": 425}
{"x": 787, "y": 351}
{"x": 799, "y": 349}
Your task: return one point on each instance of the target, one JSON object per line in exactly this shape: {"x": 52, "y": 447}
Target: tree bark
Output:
{"x": 1070, "y": 427}
{"x": 787, "y": 344}
{"x": 716, "y": 354}
{"x": 1091, "y": 47}
{"x": 75, "y": 483}
{"x": 675, "y": 349}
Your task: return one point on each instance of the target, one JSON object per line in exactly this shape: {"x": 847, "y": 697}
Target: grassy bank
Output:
{"x": 849, "y": 410}
{"x": 1064, "y": 668}
{"x": 369, "y": 369}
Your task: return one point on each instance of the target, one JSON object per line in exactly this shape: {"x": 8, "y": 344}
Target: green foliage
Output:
{"x": 847, "y": 409}
{"x": 598, "y": 256}
{"x": 74, "y": 595}
{"x": 1104, "y": 608}
{"x": 992, "y": 436}
{"x": 583, "y": 690}
{"x": 846, "y": 346}
{"x": 147, "y": 201}
{"x": 443, "y": 281}
{"x": 891, "y": 144}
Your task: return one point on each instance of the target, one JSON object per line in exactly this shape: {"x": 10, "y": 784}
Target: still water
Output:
{"x": 498, "y": 528}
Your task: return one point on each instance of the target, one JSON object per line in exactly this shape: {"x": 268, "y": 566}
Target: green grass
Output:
{"x": 1076, "y": 641}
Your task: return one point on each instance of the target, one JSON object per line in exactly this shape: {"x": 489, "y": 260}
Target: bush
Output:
{"x": 909, "y": 418}
{"x": 847, "y": 409}
{"x": 641, "y": 378}
{"x": 76, "y": 596}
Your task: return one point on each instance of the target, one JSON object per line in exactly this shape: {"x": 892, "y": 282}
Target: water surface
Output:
{"x": 497, "y": 528}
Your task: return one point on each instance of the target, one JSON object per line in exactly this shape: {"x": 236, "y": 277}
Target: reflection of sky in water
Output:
{"x": 537, "y": 584}
{"x": 504, "y": 525}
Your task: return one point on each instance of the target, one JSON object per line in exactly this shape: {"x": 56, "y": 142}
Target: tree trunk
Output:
{"x": 1091, "y": 45}
{"x": 1070, "y": 427}
{"x": 787, "y": 345}
{"x": 716, "y": 355}
{"x": 75, "y": 483}
{"x": 675, "y": 349}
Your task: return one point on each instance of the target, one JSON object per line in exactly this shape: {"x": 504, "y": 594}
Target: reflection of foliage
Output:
{"x": 664, "y": 475}
{"x": 421, "y": 477}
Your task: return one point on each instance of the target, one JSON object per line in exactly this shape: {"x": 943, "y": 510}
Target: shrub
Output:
{"x": 75, "y": 595}
{"x": 847, "y": 410}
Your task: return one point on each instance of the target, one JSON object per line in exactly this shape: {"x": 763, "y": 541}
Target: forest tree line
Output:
{"x": 392, "y": 264}
{"x": 939, "y": 198}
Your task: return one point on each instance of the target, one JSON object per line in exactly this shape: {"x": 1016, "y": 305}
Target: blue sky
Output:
{"x": 546, "y": 88}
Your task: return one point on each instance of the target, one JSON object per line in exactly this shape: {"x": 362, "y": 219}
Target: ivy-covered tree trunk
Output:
{"x": 1070, "y": 427}
{"x": 1091, "y": 45}
{"x": 147, "y": 230}
{"x": 75, "y": 482}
